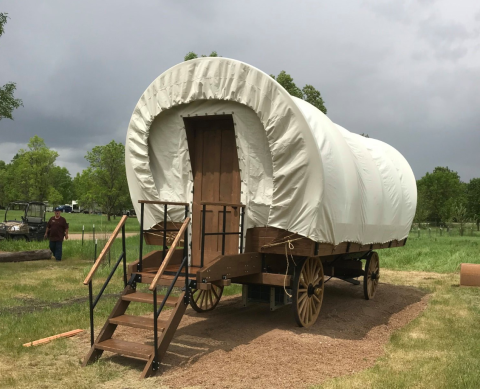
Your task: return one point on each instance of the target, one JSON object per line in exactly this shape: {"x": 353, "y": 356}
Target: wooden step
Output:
{"x": 145, "y": 323}
{"x": 129, "y": 349}
{"x": 147, "y": 298}
{"x": 165, "y": 280}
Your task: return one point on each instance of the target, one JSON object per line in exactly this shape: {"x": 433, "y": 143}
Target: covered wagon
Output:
{"x": 237, "y": 181}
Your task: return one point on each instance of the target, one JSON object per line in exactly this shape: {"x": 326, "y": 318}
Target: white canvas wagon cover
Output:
{"x": 299, "y": 171}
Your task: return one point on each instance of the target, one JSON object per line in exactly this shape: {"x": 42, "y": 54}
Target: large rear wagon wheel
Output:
{"x": 206, "y": 300}
{"x": 308, "y": 287}
{"x": 371, "y": 276}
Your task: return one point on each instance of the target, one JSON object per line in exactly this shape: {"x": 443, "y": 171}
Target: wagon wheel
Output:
{"x": 307, "y": 291}
{"x": 206, "y": 300}
{"x": 371, "y": 276}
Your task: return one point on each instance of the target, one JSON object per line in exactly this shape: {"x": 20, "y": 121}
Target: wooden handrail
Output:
{"x": 160, "y": 202}
{"x": 169, "y": 254}
{"x": 105, "y": 249}
{"x": 222, "y": 204}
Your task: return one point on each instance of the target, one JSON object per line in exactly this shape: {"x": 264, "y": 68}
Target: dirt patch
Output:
{"x": 246, "y": 347}
{"x": 89, "y": 236}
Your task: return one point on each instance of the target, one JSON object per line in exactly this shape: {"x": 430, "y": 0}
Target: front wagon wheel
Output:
{"x": 308, "y": 287}
{"x": 371, "y": 276}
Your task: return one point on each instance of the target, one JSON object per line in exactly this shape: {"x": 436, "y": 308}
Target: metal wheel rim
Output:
{"x": 308, "y": 290}
{"x": 205, "y": 300}
{"x": 372, "y": 276}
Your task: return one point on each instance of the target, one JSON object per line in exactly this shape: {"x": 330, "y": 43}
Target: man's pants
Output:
{"x": 56, "y": 249}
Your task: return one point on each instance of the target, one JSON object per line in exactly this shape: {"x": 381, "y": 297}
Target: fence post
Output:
{"x": 83, "y": 232}
{"x": 418, "y": 232}
{"x": 95, "y": 257}
{"x": 429, "y": 232}
{"x": 441, "y": 231}
{"x": 93, "y": 237}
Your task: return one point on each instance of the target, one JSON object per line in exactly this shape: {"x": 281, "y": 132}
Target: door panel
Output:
{"x": 216, "y": 173}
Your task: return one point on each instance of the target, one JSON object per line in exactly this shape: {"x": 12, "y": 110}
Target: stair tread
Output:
{"x": 123, "y": 347}
{"x": 138, "y": 322}
{"x": 141, "y": 297}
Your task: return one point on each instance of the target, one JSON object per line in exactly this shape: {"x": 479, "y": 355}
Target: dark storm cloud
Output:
{"x": 405, "y": 72}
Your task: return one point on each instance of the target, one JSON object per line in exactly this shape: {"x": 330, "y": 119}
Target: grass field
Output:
{"x": 439, "y": 349}
{"x": 77, "y": 221}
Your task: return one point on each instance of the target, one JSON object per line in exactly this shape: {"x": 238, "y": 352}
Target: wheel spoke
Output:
{"x": 300, "y": 299}
{"x": 215, "y": 293}
{"x": 198, "y": 296}
{"x": 210, "y": 296}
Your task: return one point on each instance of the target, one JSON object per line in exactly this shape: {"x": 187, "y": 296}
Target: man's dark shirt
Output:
{"x": 57, "y": 228}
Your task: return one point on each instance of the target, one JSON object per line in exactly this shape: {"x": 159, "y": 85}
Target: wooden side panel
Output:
{"x": 266, "y": 239}
{"x": 229, "y": 266}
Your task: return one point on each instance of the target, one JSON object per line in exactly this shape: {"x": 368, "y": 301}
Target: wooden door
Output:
{"x": 213, "y": 153}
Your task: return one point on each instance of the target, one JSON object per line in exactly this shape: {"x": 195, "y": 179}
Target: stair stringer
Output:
{"x": 166, "y": 336}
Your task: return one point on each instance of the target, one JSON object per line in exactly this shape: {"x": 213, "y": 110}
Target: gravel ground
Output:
{"x": 251, "y": 347}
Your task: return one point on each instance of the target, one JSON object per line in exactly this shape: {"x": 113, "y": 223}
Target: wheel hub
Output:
{"x": 310, "y": 290}
{"x": 374, "y": 276}
{"x": 314, "y": 290}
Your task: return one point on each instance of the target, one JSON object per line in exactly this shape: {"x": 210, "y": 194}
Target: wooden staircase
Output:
{"x": 163, "y": 327}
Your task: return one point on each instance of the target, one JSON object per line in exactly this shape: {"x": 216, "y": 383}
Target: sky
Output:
{"x": 404, "y": 72}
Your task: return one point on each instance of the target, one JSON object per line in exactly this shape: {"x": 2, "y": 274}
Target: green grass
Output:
{"x": 439, "y": 349}
{"x": 435, "y": 254}
{"x": 77, "y": 221}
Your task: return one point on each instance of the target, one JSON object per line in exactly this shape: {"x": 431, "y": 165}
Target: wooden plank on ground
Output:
{"x": 50, "y": 338}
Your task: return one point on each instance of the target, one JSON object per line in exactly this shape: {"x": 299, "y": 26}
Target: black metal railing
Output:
{"x": 156, "y": 312}
{"x": 164, "y": 229}
{"x": 224, "y": 222}
{"x": 92, "y": 303}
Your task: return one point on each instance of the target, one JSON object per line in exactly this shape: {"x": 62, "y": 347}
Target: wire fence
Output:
{"x": 425, "y": 230}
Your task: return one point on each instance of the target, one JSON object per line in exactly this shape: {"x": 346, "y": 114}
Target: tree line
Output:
{"x": 33, "y": 175}
{"x": 443, "y": 198}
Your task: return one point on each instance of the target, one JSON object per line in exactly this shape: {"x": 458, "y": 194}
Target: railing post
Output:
{"x": 164, "y": 230}
{"x": 155, "y": 329}
{"x": 185, "y": 255}
{"x": 224, "y": 227}
{"x": 242, "y": 219}
{"x": 202, "y": 253}
{"x": 139, "y": 266}
{"x": 90, "y": 300}
{"x": 124, "y": 257}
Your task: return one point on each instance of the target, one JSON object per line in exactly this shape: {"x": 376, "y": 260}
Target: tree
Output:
{"x": 460, "y": 215}
{"x": 473, "y": 200}
{"x": 106, "y": 181}
{"x": 308, "y": 93}
{"x": 36, "y": 165}
{"x": 439, "y": 192}
{"x": 7, "y": 100}
{"x": 61, "y": 181}
{"x": 83, "y": 189}
{"x": 192, "y": 55}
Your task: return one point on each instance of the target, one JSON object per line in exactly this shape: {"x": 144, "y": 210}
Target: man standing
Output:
{"x": 57, "y": 229}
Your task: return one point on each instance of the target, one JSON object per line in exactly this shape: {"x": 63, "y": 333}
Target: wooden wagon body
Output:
{"x": 239, "y": 182}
